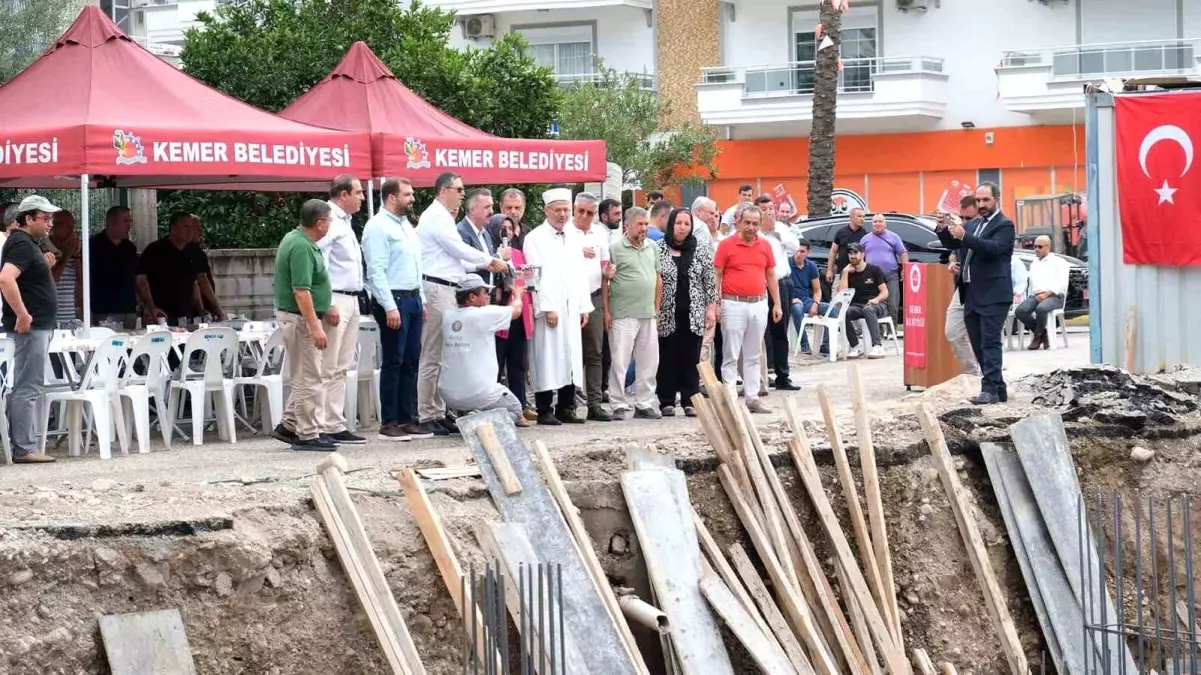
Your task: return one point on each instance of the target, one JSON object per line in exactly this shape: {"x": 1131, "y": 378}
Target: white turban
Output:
{"x": 556, "y": 195}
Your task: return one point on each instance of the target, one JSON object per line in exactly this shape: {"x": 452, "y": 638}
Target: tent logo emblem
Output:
{"x": 843, "y": 200}
{"x": 418, "y": 157}
{"x": 128, "y": 147}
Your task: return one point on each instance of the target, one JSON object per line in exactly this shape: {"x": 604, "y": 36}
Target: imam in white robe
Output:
{"x": 557, "y": 358}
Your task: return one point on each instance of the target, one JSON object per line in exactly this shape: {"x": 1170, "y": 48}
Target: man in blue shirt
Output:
{"x": 392, "y": 255}
{"x": 806, "y": 294}
{"x": 659, "y": 212}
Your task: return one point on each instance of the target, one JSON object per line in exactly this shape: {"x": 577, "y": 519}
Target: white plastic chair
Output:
{"x": 97, "y": 389}
{"x": 364, "y": 375}
{"x": 1013, "y": 329}
{"x": 831, "y": 321}
{"x": 886, "y": 321}
{"x": 269, "y": 401}
{"x": 7, "y": 349}
{"x": 137, "y": 389}
{"x": 1058, "y": 327}
{"x": 220, "y": 349}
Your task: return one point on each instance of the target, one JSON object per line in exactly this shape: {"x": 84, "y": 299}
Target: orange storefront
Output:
{"x": 908, "y": 172}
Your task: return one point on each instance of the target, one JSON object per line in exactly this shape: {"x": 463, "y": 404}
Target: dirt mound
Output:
{"x": 1110, "y": 395}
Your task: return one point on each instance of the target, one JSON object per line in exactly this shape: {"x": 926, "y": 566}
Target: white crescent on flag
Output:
{"x": 1166, "y": 132}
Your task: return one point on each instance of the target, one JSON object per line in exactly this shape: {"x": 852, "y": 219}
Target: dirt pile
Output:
{"x": 1112, "y": 396}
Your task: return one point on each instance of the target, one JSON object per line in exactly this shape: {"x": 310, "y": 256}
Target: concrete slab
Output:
{"x": 1042, "y": 446}
{"x": 552, "y": 542}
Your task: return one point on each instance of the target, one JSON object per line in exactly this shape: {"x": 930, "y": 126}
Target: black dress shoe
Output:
{"x": 346, "y": 437}
{"x": 599, "y": 415}
{"x": 786, "y": 386}
{"x": 548, "y": 419}
{"x": 284, "y": 434}
{"x": 568, "y": 417}
{"x": 1003, "y": 395}
{"x": 985, "y": 398}
{"x": 314, "y": 445}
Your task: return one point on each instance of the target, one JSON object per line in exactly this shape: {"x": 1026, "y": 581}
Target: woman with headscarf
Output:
{"x": 512, "y": 345}
{"x": 689, "y": 295}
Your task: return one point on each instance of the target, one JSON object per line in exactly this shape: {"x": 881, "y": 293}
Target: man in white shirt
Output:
{"x": 1048, "y": 287}
{"x": 704, "y": 216}
{"x": 344, "y": 261}
{"x": 746, "y": 193}
{"x": 784, "y": 245}
{"x": 594, "y": 242}
{"x": 468, "y": 382}
{"x": 474, "y": 230}
{"x": 443, "y": 255}
{"x": 562, "y": 305}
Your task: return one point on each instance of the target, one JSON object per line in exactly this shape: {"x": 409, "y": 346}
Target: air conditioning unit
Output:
{"x": 912, "y": 5}
{"x": 481, "y": 26}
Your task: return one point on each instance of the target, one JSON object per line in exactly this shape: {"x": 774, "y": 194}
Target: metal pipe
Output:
{"x": 85, "y": 216}
{"x": 644, "y": 614}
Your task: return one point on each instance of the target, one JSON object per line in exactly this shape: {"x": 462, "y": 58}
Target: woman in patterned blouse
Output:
{"x": 689, "y": 297}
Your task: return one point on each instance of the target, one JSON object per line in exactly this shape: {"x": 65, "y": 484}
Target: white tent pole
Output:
{"x": 86, "y": 235}
{"x": 371, "y": 198}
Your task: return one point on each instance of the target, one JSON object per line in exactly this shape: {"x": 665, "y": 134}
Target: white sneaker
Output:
{"x": 877, "y": 352}
{"x": 856, "y": 352}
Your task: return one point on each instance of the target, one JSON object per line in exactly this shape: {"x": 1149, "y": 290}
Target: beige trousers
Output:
{"x": 438, "y": 300}
{"x": 636, "y": 339}
{"x": 336, "y": 361}
{"x": 303, "y": 414}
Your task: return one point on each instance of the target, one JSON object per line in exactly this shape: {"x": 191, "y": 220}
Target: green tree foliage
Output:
{"x": 28, "y": 27}
{"x": 269, "y": 52}
{"x": 615, "y": 108}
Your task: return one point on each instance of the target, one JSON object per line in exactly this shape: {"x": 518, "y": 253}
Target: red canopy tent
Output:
{"x": 414, "y": 139}
{"x": 98, "y": 109}
{"x": 98, "y": 104}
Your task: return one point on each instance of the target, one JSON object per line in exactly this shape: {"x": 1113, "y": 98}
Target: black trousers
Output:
{"x": 512, "y": 353}
{"x": 544, "y": 401}
{"x": 678, "y": 355}
{"x": 984, "y": 323}
{"x": 717, "y": 346}
{"x": 606, "y": 360}
{"x": 776, "y": 335}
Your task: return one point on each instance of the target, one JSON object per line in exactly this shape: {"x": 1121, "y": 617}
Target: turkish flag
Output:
{"x": 1159, "y": 188}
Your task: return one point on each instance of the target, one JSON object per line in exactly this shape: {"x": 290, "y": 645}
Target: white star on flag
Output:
{"x": 1165, "y": 193}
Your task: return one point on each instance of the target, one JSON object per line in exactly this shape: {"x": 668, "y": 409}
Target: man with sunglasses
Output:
{"x": 445, "y": 259}
{"x": 29, "y": 311}
{"x": 1048, "y": 287}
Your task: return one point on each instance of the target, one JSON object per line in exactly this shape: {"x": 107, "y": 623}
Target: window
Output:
{"x": 566, "y": 50}
{"x": 988, "y": 176}
{"x": 859, "y": 48}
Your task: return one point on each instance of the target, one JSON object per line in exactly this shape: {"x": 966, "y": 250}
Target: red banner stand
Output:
{"x": 929, "y": 359}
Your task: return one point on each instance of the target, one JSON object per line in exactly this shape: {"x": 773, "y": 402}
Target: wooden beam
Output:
{"x": 890, "y": 652}
{"x": 554, "y": 483}
{"x": 500, "y": 460}
{"x": 922, "y": 660}
{"x": 850, "y": 493}
{"x": 994, "y": 597}
{"x": 779, "y": 627}
{"x": 719, "y": 396}
{"x": 861, "y": 632}
{"x": 794, "y": 604}
{"x": 711, "y": 549}
{"x": 813, "y": 579}
{"x": 768, "y": 655}
{"x": 875, "y": 504}
{"x": 947, "y": 669}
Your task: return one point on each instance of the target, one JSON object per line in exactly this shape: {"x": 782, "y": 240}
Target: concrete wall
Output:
{"x": 245, "y": 280}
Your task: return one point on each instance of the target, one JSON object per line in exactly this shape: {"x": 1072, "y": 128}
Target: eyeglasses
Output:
{"x": 1038, "y": 246}
{"x": 586, "y": 212}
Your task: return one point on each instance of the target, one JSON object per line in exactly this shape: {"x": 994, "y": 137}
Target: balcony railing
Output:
{"x": 1114, "y": 58}
{"x": 796, "y": 78}
{"x": 644, "y": 80}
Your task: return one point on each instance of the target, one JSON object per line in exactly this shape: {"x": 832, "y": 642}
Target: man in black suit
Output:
{"x": 984, "y": 246}
{"x": 474, "y": 227}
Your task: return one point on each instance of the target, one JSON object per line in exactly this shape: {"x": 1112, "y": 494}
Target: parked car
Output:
{"x": 923, "y": 245}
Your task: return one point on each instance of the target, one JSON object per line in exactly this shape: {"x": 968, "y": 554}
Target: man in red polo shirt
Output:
{"x": 745, "y": 269}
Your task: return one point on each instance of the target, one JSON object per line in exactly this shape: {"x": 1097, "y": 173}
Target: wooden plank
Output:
{"x": 673, "y": 565}
{"x": 794, "y": 604}
{"x": 554, "y": 483}
{"x": 353, "y": 567}
{"x": 889, "y": 651}
{"x": 720, "y": 398}
{"x": 922, "y": 660}
{"x": 860, "y": 624}
{"x": 994, "y": 597}
{"x": 718, "y": 559}
{"x": 850, "y": 493}
{"x": 813, "y": 579}
{"x": 500, "y": 460}
{"x": 947, "y": 669}
{"x": 779, "y": 627}
{"x": 146, "y": 643}
{"x": 769, "y": 656}
{"x": 875, "y": 504}
{"x": 440, "y": 548}
{"x": 585, "y": 612}
{"x": 719, "y": 437}
{"x": 509, "y": 545}
{"x": 445, "y": 473}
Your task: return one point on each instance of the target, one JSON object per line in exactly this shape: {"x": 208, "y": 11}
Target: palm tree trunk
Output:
{"x": 825, "y": 101}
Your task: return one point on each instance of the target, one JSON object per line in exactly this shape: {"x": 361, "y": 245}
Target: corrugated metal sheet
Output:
{"x": 1162, "y": 300}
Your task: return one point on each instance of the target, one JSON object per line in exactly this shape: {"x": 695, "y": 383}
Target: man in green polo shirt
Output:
{"x": 631, "y": 301}
{"x": 302, "y": 301}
